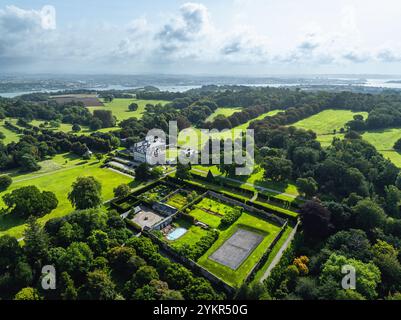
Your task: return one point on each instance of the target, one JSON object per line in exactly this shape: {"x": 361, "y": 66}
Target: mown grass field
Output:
{"x": 249, "y": 222}
{"x": 195, "y": 138}
{"x": 58, "y": 177}
{"x": 119, "y": 107}
{"x": 384, "y": 140}
{"x": 324, "y": 123}
{"x": 10, "y": 136}
{"x": 223, "y": 111}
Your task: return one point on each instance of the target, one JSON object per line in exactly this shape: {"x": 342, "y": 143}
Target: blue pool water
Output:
{"x": 176, "y": 233}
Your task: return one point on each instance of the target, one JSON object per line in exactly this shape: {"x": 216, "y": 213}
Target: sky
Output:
{"x": 220, "y": 37}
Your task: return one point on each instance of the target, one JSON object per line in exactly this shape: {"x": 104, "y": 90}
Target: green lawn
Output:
{"x": 249, "y": 222}
{"x": 205, "y": 217}
{"x": 223, "y": 111}
{"x": 10, "y": 136}
{"x": 59, "y": 181}
{"x": 327, "y": 121}
{"x": 384, "y": 140}
{"x": 119, "y": 107}
{"x": 195, "y": 138}
{"x": 324, "y": 123}
{"x": 191, "y": 237}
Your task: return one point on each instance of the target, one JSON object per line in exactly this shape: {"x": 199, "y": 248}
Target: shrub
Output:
{"x": 5, "y": 182}
{"x": 230, "y": 217}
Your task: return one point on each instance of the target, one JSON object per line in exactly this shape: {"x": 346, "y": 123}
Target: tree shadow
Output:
{"x": 8, "y": 221}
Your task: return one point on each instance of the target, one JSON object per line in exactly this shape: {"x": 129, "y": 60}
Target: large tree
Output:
{"x": 277, "y": 169}
{"x": 315, "y": 220}
{"x": 29, "y": 201}
{"x": 86, "y": 193}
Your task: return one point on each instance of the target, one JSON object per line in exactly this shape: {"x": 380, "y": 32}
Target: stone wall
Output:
{"x": 192, "y": 265}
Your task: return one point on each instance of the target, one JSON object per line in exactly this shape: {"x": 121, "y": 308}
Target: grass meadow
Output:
{"x": 58, "y": 176}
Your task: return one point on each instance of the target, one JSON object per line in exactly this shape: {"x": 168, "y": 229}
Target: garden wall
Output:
{"x": 192, "y": 265}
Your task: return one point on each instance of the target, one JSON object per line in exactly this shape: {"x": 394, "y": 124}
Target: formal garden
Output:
{"x": 222, "y": 236}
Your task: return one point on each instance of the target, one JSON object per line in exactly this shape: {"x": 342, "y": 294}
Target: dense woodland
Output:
{"x": 352, "y": 212}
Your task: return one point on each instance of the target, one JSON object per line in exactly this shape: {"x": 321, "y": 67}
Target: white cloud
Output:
{"x": 190, "y": 35}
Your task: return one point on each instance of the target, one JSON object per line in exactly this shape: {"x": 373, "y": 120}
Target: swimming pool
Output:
{"x": 176, "y": 233}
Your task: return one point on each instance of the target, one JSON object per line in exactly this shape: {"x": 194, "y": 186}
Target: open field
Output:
{"x": 119, "y": 107}
{"x": 384, "y": 140}
{"x": 10, "y": 136}
{"x": 246, "y": 222}
{"x": 324, "y": 123}
{"x": 67, "y": 128}
{"x": 195, "y": 138}
{"x": 223, "y": 111}
{"x": 59, "y": 181}
{"x": 86, "y": 99}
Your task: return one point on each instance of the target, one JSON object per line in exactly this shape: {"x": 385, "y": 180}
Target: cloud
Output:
{"x": 25, "y": 32}
{"x": 389, "y": 55}
{"x": 187, "y": 36}
{"x": 190, "y": 25}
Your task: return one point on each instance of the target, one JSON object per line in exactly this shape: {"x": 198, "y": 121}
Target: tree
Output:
{"x": 133, "y": 107}
{"x": 277, "y": 169}
{"x": 367, "y": 275}
{"x": 5, "y": 182}
{"x": 307, "y": 186}
{"x": 28, "y": 163}
{"x": 385, "y": 257}
{"x": 76, "y": 127}
{"x": 122, "y": 190}
{"x": 315, "y": 220}
{"x": 29, "y": 201}
{"x": 10, "y": 252}
{"x": 393, "y": 199}
{"x": 99, "y": 242}
{"x": 120, "y": 257}
{"x": 68, "y": 290}
{"x": 77, "y": 259}
{"x": 143, "y": 172}
{"x": 210, "y": 176}
{"x": 352, "y": 243}
{"x": 28, "y": 294}
{"x": 183, "y": 171}
{"x": 99, "y": 286}
{"x": 144, "y": 275}
{"x": 368, "y": 215}
{"x": 95, "y": 124}
{"x": 86, "y": 193}
{"x": 36, "y": 241}
{"x": 106, "y": 117}
{"x": 98, "y": 156}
